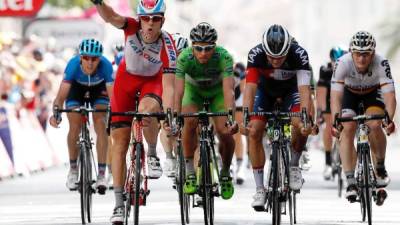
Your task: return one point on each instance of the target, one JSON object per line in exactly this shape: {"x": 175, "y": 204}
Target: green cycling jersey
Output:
{"x": 204, "y": 80}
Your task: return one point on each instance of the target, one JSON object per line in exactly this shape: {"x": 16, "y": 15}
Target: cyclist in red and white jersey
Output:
{"x": 148, "y": 67}
{"x": 363, "y": 76}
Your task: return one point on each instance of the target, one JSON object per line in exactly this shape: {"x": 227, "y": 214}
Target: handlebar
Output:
{"x": 275, "y": 114}
{"x": 362, "y": 118}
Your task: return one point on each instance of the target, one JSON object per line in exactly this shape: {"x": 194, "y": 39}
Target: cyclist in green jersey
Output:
{"x": 205, "y": 71}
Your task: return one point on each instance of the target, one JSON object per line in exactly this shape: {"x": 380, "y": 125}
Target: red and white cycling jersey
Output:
{"x": 141, "y": 70}
{"x": 148, "y": 59}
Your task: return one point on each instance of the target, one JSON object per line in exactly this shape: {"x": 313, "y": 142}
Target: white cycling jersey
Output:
{"x": 378, "y": 75}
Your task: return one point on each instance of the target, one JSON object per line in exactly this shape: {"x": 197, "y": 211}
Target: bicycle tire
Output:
{"x": 340, "y": 181}
{"x": 276, "y": 204}
{"x": 127, "y": 208}
{"x": 286, "y": 160}
{"x": 82, "y": 182}
{"x": 206, "y": 186}
{"x": 294, "y": 208}
{"x": 138, "y": 167}
{"x": 367, "y": 189}
{"x": 363, "y": 207}
{"x": 184, "y": 200}
{"x": 291, "y": 208}
{"x": 90, "y": 182}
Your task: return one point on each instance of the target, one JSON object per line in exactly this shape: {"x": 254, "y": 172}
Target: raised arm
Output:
{"x": 108, "y": 14}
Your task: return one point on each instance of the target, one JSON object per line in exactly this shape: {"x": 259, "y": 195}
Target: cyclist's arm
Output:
{"x": 337, "y": 87}
{"x": 389, "y": 99}
{"x": 108, "y": 71}
{"x": 179, "y": 91}
{"x": 303, "y": 83}
{"x": 180, "y": 79}
{"x": 62, "y": 94}
{"x": 228, "y": 82}
{"x": 304, "y": 76}
{"x": 109, "y": 88}
{"x": 387, "y": 87}
{"x": 110, "y": 16}
{"x": 252, "y": 77}
{"x": 322, "y": 92}
{"x": 305, "y": 97}
{"x": 228, "y": 85}
{"x": 168, "y": 80}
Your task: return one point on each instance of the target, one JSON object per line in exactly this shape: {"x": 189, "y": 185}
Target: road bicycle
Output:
{"x": 86, "y": 161}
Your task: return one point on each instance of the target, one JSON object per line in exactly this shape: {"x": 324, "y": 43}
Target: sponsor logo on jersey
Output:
{"x": 303, "y": 57}
{"x": 169, "y": 47}
{"x": 253, "y": 53}
{"x": 146, "y": 55}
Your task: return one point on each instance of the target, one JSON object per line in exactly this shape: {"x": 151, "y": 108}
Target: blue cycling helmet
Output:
{"x": 150, "y": 7}
{"x": 336, "y": 52}
{"x": 91, "y": 47}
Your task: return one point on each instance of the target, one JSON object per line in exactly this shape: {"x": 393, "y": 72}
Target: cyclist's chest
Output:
{"x": 358, "y": 80}
{"x": 143, "y": 59}
{"x": 87, "y": 80}
{"x": 209, "y": 71}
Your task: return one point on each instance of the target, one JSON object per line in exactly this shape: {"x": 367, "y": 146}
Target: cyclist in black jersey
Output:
{"x": 277, "y": 68}
{"x": 323, "y": 106}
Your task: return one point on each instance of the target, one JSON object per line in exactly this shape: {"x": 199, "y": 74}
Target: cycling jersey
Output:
{"x": 87, "y": 88}
{"x": 144, "y": 59}
{"x": 73, "y": 72}
{"x": 281, "y": 82}
{"x": 141, "y": 69}
{"x": 204, "y": 80}
{"x": 295, "y": 71}
{"x": 377, "y": 76}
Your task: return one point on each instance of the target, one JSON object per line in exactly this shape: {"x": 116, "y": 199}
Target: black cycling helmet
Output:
{"x": 203, "y": 32}
{"x": 276, "y": 41}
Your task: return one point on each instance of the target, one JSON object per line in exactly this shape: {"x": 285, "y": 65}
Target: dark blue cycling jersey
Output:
{"x": 73, "y": 72}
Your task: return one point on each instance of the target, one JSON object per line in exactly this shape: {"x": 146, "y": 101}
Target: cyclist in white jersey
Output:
{"x": 363, "y": 76}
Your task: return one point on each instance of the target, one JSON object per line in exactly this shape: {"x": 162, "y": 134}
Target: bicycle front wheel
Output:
{"x": 184, "y": 200}
{"x": 208, "y": 197}
{"x": 83, "y": 182}
{"x": 367, "y": 190}
{"x": 276, "y": 203}
{"x": 89, "y": 184}
{"x": 138, "y": 167}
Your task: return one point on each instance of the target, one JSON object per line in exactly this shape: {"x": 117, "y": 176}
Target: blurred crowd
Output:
{"x": 30, "y": 72}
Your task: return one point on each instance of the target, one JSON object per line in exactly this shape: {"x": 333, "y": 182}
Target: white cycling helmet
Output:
{"x": 276, "y": 41}
{"x": 180, "y": 42}
{"x": 362, "y": 41}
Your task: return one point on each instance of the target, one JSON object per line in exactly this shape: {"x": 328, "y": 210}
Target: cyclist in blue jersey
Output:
{"x": 87, "y": 78}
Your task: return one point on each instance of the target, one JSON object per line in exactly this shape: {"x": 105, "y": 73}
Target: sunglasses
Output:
{"x": 90, "y": 58}
{"x": 205, "y": 48}
{"x": 154, "y": 18}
